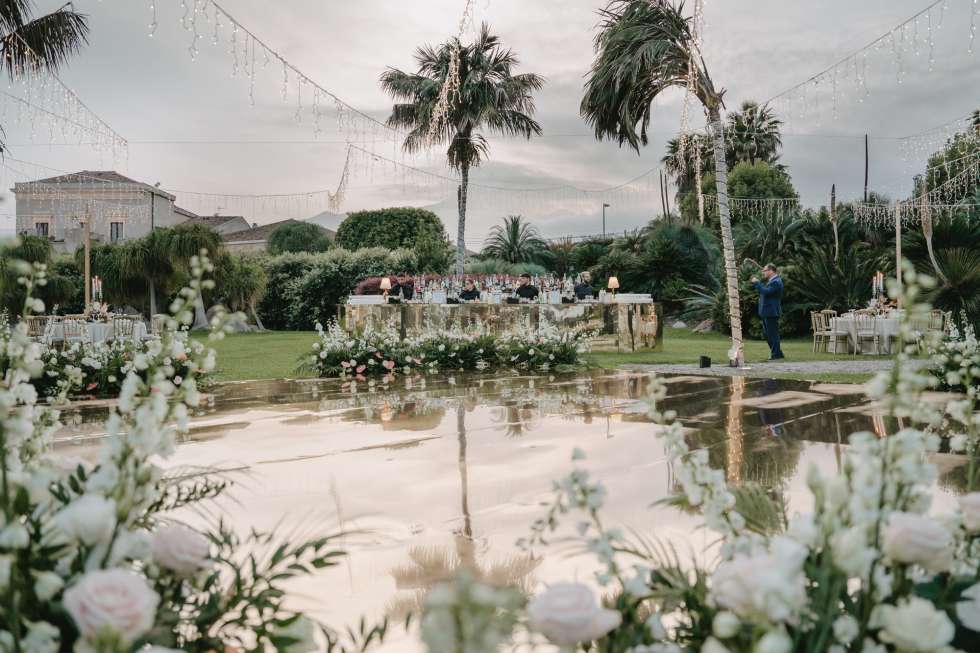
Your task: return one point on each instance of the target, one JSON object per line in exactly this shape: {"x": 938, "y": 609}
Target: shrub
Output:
{"x": 499, "y": 266}
{"x": 392, "y": 228}
{"x": 283, "y": 273}
{"x": 298, "y": 237}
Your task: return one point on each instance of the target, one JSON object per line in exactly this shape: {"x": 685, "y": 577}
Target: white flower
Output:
{"x": 712, "y": 645}
{"x": 568, "y": 613}
{"x": 970, "y": 507}
{"x": 91, "y": 519}
{"x": 846, "y": 629}
{"x": 656, "y": 626}
{"x": 115, "y": 600}
{"x": 180, "y": 549}
{"x": 915, "y": 539}
{"x": 968, "y": 612}
{"x": 725, "y": 625}
{"x": 775, "y": 641}
{"x": 14, "y": 536}
{"x": 768, "y": 586}
{"x": 851, "y": 552}
{"x": 41, "y": 637}
{"x": 914, "y": 626}
{"x": 301, "y": 630}
{"x": 47, "y": 584}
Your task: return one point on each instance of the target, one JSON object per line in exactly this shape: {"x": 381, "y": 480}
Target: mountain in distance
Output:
{"x": 327, "y": 220}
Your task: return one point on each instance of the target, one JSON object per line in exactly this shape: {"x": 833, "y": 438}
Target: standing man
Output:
{"x": 770, "y": 307}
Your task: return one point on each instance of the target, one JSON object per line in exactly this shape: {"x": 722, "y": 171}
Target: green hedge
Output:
{"x": 391, "y": 228}
{"x": 304, "y": 289}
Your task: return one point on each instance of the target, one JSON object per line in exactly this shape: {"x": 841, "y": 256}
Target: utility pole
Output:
{"x": 865, "y": 168}
{"x": 604, "y": 207}
{"x": 898, "y": 250}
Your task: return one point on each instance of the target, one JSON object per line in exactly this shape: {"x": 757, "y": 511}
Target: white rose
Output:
{"x": 915, "y": 539}
{"x": 725, "y": 625}
{"x": 568, "y": 613}
{"x": 114, "y": 599}
{"x": 302, "y": 630}
{"x": 851, "y": 552}
{"x": 846, "y": 629}
{"x": 180, "y": 549}
{"x": 970, "y": 507}
{"x": 768, "y": 586}
{"x": 14, "y": 536}
{"x": 90, "y": 518}
{"x": 968, "y": 612}
{"x": 775, "y": 641}
{"x": 914, "y": 626}
{"x": 47, "y": 584}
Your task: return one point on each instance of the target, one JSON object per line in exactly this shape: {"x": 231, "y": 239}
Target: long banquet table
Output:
{"x": 620, "y": 326}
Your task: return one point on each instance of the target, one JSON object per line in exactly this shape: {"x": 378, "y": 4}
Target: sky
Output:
{"x": 191, "y": 126}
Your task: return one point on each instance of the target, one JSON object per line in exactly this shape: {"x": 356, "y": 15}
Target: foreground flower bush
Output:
{"x": 98, "y": 370}
{"x": 956, "y": 359}
{"x": 867, "y": 568}
{"x": 337, "y": 353}
{"x": 91, "y": 558}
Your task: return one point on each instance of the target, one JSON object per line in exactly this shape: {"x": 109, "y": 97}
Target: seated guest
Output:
{"x": 403, "y": 288}
{"x": 470, "y": 292}
{"x": 583, "y": 289}
{"x": 525, "y": 290}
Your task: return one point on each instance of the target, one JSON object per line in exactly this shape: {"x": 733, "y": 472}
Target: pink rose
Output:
{"x": 344, "y": 364}
{"x": 360, "y": 369}
{"x": 180, "y": 549}
{"x": 389, "y": 365}
{"x": 113, "y": 599}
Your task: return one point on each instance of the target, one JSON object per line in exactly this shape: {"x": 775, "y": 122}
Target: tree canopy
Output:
{"x": 391, "y": 228}
{"x": 298, "y": 237}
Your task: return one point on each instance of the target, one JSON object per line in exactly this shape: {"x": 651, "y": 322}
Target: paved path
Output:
{"x": 766, "y": 369}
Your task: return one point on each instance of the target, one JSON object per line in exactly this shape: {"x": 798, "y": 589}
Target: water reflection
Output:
{"x": 448, "y": 473}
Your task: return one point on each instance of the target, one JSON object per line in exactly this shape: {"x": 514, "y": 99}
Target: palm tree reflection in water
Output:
{"x": 430, "y": 565}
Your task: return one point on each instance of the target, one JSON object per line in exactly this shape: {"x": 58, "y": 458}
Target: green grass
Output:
{"x": 267, "y": 355}
{"x": 276, "y": 354}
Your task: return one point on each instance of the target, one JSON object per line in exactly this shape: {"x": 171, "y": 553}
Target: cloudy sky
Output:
{"x": 191, "y": 126}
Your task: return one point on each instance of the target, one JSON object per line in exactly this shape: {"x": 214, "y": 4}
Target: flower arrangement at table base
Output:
{"x": 92, "y": 558}
{"x": 98, "y": 369}
{"x": 381, "y": 353}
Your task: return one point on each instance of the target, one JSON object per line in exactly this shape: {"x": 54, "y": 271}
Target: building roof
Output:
{"x": 213, "y": 220}
{"x": 263, "y": 231}
{"x": 98, "y": 177}
{"x": 179, "y": 210}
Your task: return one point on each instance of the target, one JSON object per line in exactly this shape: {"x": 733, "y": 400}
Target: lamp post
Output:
{"x": 604, "y": 207}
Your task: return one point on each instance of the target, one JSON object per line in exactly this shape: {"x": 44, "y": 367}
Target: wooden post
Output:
{"x": 865, "y": 168}
{"x": 898, "y": 250}
{"x": 88, "y": 259}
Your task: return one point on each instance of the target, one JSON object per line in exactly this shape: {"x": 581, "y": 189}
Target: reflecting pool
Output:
{"x": 433, "y": 474}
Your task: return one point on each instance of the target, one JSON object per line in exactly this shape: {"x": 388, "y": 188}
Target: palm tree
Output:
{"x": 490, "y": 96}
{"x": 187, "y": 241}
{"x": 29, "y": 44}
{"x": 560, "y": 256}
{"x": 516, "y": 241}
{"x": 643, "y": 48}
{"x": 680, "y": 162}
{"x": 754, "y": 134}
{"x": 150, "y": 258}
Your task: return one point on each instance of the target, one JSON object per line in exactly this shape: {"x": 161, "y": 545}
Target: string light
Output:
{"x": 450, "y": 85}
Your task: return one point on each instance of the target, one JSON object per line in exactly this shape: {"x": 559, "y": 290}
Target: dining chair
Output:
{"x": 123, "y": 327}
{"x": 937, "y": 320}
{"x": 834, "y": 333}
{"x": 866, "y": 329}
{"x": 75, "y": 329}
{"x": 37, "y": 326}
{"x": 816, "y": 325}
{"x": 158, "y": 323}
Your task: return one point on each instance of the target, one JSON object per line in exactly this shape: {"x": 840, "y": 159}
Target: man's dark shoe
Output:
{"x": 776, "y": 358}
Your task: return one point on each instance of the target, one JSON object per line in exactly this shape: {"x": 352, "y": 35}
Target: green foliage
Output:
{"x": 558, "y": 257}
{"x": 433, "y": 254}
{"x": 308, "y": 287}
{"x": 757, "y": 180}
{"x": 499, "y": 266}
{"x": 516, "y": 241}
{"x": 392, "y": 228}
{"x": 298, "y": 236}
{"x": 240, "y": 279}
{"x": 587, "y": 253}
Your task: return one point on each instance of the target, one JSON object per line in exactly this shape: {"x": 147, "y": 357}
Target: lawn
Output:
{"x": 276, "y": 354}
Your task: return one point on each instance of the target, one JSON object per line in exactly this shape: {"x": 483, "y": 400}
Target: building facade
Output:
{"x": 117, "y": 207}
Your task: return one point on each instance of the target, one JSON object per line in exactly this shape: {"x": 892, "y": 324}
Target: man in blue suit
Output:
{"x": 770, "y": 307}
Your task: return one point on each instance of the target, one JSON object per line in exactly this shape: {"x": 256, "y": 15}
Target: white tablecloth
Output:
{"x": 885, "y": 327}
{"x": 97, "y": 331}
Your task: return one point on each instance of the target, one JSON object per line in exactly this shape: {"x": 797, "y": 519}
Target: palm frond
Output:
{"x": 43, "y": 43}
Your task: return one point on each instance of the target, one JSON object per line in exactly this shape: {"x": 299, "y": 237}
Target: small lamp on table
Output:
{"x": 612, "y": 285}
{"x": 385, "y": 287}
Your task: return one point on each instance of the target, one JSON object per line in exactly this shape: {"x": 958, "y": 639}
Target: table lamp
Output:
{"x": 385, "y": 286}
{"x": 613, "y": 284}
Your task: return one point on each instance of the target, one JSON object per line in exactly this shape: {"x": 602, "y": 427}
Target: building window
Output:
{"x": 41, "y": 229}
{"x": 115, "y": 231}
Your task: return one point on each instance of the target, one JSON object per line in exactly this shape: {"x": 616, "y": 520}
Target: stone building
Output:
{"x": 119, "y": 208}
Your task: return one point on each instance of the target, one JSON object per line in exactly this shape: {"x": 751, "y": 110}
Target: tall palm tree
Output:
{"x": 560, "y": 256}
{"x": 150, "y": 258}
{"x": 754, "y": 134}
{"x": 643, "y": 48}
{"x": 680, "y": 162}
{"x": 490, "y": 96}
{"x": 516, "y": 241}
{"x": 29, "y": 44}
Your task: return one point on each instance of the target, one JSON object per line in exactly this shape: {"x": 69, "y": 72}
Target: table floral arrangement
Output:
{"x": 381, "y": 353}
{"x": 91, "y": 556}
{"x": 98, "y": 369}
{"x": 955, "y": 359}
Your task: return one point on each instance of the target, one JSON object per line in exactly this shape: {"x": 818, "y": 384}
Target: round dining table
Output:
{"x": 886, "y": 327}
{"x": 96, "y": 331}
